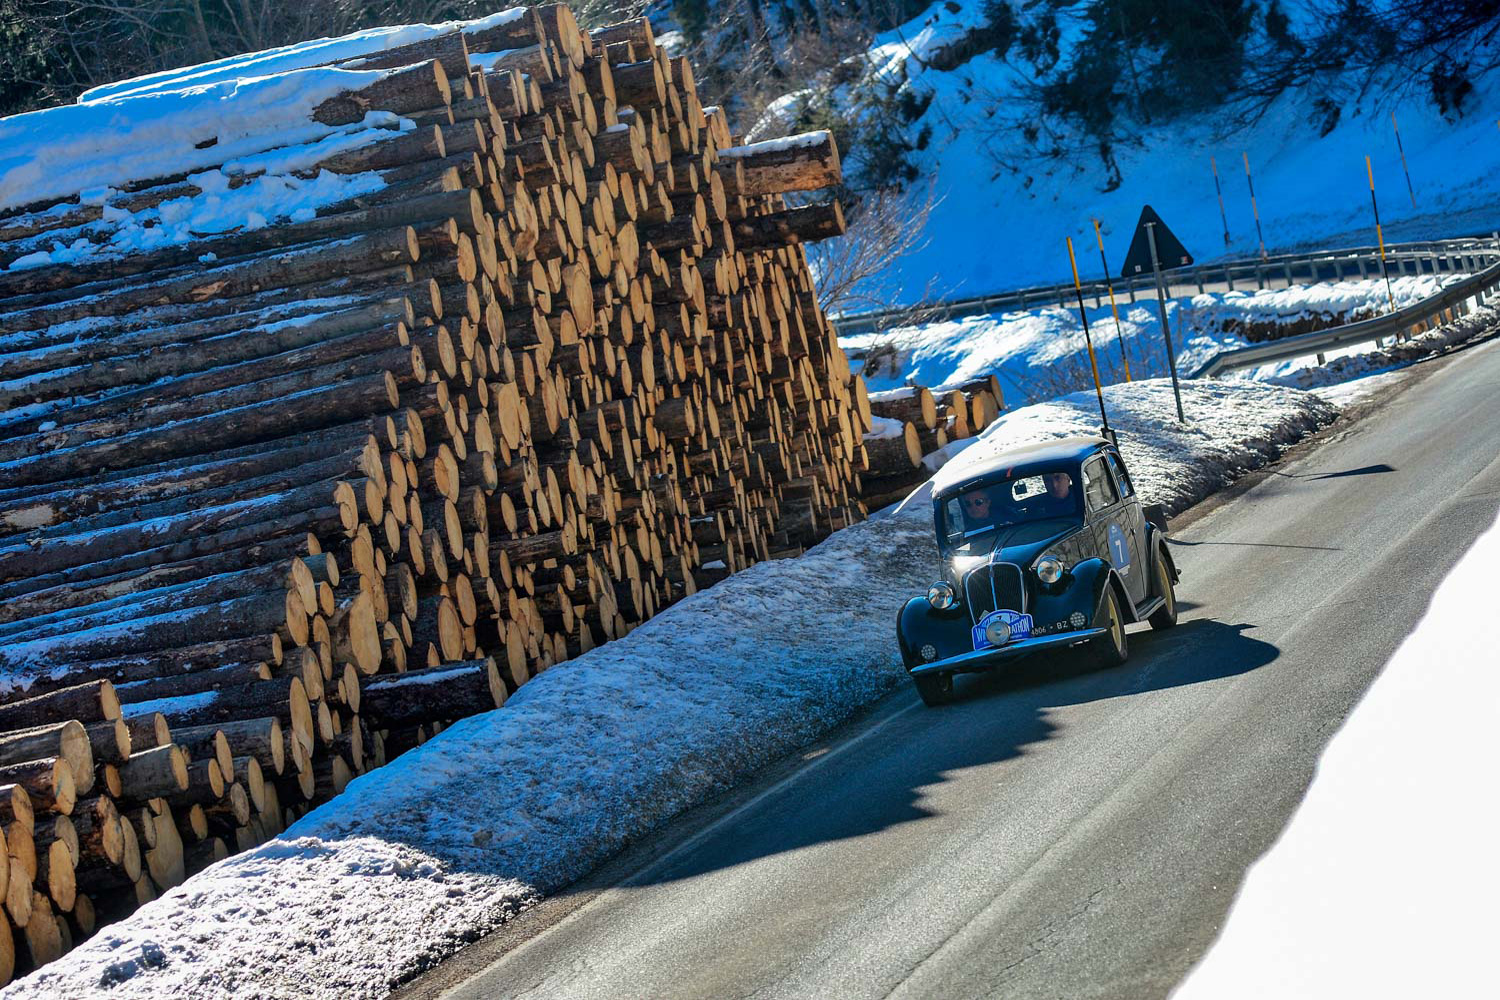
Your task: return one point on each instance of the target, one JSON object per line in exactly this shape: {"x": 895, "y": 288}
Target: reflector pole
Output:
{"x": 1109, "y": 284}
{"x": 1254, "y": 209}
{"x": 1087, "y": 339}
{"x": 1409, "y": 189}
{"x": 1219, "y": 190}
{"x": 1166, "y": 329}
{"x": 1379, "y": 236}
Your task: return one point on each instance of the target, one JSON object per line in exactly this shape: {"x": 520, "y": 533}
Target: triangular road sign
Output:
{"x": 1170, "y": 252}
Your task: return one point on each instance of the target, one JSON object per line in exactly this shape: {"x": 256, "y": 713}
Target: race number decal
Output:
{"x": 1119, "y": 549}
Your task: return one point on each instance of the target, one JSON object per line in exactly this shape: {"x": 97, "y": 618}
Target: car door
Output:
{"x": 1107, "y": 514}
{"x": 1133, "y": 522}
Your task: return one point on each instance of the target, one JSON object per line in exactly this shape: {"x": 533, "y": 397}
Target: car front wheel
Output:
{"x": 934, "y": 689}
{"x": 1111, "y": 648}
{"x": 1166, "y": 615}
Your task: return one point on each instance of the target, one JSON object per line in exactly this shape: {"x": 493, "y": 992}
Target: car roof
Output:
{"x": 1024, "y": 460}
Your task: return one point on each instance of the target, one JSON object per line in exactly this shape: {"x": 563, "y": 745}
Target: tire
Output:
{"x": 1166, "y": 615}
{"x": 934, "y": 689}
{"x": 1112, "y": 648}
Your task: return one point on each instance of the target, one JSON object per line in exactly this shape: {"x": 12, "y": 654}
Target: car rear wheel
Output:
{"x": 1111, "y": 648}
{"x": 1166, "y": 615}
{"x": 934, "y": 689}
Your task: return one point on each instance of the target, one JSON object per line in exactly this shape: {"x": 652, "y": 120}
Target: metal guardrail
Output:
{"x": 1396, "y": 324}
{"x": 1432, "y": 257}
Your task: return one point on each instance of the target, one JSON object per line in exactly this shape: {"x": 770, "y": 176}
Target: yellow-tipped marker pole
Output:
{"x": 1087, "y": 339}
{"x": 1379, "y": 236}
{"x": 1119, "y": 330}
{"x": 1409, "y": 189}
{"x": 1254, "y": 209}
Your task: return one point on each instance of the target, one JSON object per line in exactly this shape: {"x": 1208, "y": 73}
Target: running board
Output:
{"x": 1150, "y": 608}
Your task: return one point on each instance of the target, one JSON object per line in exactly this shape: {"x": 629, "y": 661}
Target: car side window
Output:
{"x": 1121, "y": 479}
{"x": 1098, "y": 489}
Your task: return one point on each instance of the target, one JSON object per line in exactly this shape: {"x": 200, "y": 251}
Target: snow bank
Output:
{"x": 1041, "y": 353}
{"x": 451, "y": 839}
{"x": 1383, "y": 883}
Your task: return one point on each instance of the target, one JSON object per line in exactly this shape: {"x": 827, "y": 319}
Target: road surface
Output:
{"x": 1072, "y": 837}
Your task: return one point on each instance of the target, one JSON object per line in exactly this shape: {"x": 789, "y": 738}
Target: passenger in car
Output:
{"x": 1058, "y": 499}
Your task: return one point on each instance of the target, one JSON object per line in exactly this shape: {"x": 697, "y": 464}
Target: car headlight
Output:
{"x": 1049, "y": 569}
{"x": 997, "y": 632}
{"x": 940, "y": 595}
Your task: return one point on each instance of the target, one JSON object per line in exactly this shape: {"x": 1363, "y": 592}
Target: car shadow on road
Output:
{"x": 887, "y": 774}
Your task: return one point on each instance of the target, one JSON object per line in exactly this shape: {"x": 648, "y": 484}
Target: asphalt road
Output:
{"x": 1080, "y": 836}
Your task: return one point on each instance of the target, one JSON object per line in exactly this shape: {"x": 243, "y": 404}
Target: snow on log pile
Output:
{"x": 914, "y": 421}
{"x": 346, "y": 387}
{"x": 424, "y": 855}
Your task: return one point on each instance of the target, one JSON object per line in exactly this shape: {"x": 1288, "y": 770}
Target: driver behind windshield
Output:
{"x": 978, "y": 510}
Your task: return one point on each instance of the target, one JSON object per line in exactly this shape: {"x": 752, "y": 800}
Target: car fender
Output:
{"x": 1090, "y": 577}
{"x": 920, "y": 624}
{"x": 1160, "y": 550}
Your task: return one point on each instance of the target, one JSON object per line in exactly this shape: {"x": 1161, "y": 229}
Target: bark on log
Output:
{"x": 94, "y": 701}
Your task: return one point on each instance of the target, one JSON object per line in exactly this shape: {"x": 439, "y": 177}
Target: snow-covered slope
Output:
{"x": 1003, "y": 211}
{"x": 421, "y": 856}
{"x": 1038, "y": 354}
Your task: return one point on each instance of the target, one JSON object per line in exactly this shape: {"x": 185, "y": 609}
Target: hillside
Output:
{"x": 1009, "y": 180}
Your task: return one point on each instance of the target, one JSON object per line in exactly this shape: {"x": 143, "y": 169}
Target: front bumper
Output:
{"x": 985, "y": 659}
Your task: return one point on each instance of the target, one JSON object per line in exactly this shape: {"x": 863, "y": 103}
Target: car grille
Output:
{"x": 997, "y": 585}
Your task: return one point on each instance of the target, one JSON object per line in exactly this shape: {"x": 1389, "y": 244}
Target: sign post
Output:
{"x": 1083, "y": 315}
{"x": 1154, "y": 244}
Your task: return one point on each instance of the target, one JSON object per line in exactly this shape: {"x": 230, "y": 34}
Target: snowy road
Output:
{"x": 1081, "y": 837}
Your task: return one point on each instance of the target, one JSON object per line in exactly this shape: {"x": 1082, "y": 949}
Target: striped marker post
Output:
{"x": 1087, "y": 339}
{"x": 1409, "y": 189}
{"x": 1379, "y": 235}
{"x": 1219, "y": 190}
{"x": 1254, "y": 209}
{"x": 1109, "y": 284}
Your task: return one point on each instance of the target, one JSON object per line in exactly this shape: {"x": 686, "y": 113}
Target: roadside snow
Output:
{"x": 1041, "y": 353}
{"x": 448, "y": 841}
{"x": 1383, "y": 883}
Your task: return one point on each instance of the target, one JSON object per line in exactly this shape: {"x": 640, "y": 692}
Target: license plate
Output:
{"x": 1020, "y": 627}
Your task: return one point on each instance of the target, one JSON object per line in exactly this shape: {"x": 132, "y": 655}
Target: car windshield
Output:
{"x": 970, "y": 520}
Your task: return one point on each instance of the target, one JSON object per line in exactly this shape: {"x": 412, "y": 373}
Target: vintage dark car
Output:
{"x": 1043, "y": 547}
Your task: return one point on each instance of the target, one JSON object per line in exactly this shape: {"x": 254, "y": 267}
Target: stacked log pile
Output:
{"x": 915, "y": 421}
{"x": 279, "y": 503}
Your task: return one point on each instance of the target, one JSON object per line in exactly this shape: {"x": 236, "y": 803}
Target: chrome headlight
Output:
{"x": 940, "y": 595}
{"x": 1049, "y": 568}
{"x": 997, "y": 631}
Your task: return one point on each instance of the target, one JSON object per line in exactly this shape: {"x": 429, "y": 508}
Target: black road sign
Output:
{"x": 1169, "y": 249}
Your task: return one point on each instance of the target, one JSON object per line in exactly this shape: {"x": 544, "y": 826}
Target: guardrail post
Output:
{"x": 1260, "y": 277}
{"x": 1229, "y": 277}
{"x": 1289, "y": 281}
